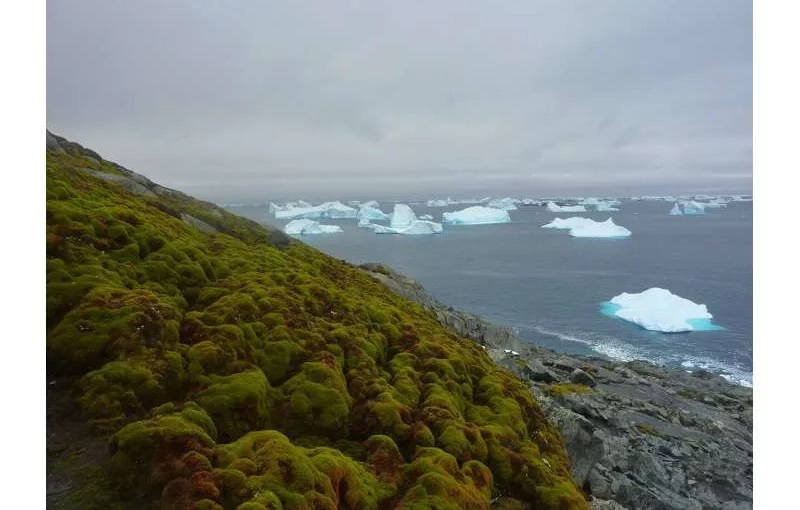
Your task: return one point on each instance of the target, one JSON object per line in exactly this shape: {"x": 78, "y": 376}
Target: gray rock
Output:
{"x": 200, "y": 225}
{"x": 578, "y": 376}
{"x": 52, "y": 143}
{"x": 123, "y": 181}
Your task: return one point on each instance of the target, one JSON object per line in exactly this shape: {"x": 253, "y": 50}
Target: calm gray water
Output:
{"x": 549, "y": 286}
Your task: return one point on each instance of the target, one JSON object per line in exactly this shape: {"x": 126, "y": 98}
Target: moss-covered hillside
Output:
{"x": 231, "y": 367}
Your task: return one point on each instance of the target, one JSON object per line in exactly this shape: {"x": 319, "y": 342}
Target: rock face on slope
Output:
{"x": 639, "y": 435}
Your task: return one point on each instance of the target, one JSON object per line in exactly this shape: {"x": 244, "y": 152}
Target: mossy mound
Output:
{"x": 234, "y": 368}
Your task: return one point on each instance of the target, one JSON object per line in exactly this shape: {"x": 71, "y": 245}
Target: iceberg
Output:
{"x": 371, "y": 213}
{"x": 476, "y": 215}
{"x": 693, "y": 207}
{"x": 402, "y": 216}
{"x": 579, "y": 226}
{"x": 658, "y": 309}
{"x": 426, "y": 217}
{"x": 306, "y": 226}
{"x": 567, "y": 223}
{"x": 591, "y": 228}
{"x": 507, "y": 204}
{"x": 676, "y": 210}
{"x": 418, "y": 227}
{"x": 716, "y": 203}
{"x": 331, "y": 210}
{"x": 553, "y": 207}
{"x": 439, "y": 202}
{"x": 603, "y": 206}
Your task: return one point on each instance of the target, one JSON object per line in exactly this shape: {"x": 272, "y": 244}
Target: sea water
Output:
{"x": 551, "y": 287}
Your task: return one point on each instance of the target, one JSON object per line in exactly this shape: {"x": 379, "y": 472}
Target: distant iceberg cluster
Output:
{"x": 480, "y": 211}
{"x": 658, "y": 309}
{"x": 446, "y": 202}
{"x": 600, "y": 205}
{"x": 476, "y": 215}
{"x": 579, "y": 226}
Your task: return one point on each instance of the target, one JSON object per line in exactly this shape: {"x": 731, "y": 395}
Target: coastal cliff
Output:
{"x": 640, "y": 435}
{"x": 199, "y": 360}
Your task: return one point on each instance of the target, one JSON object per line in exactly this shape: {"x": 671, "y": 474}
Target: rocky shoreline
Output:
{"x": 640, "y": 436}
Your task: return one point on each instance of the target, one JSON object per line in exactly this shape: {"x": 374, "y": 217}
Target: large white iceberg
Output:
{"x": 418, "y": 227}
{"x": 402, "y": 216}
{"x": 676, "y": 210}
{"x": 693, "y": 207}
{"x": 658, "y": 309}
{"x": 553, "y": 207}
{"x": 591, "y": 228}
{"x": 579, "y": 226}
{"x": 306, "y": 226}
{"x": 332, "y": 210}
{"x": 507, "y": 204}
{"x": 476, "y": 215}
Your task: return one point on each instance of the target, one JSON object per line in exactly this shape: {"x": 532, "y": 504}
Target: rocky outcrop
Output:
{"x": 639, "y": 435}
{"x": 161, "y": 197}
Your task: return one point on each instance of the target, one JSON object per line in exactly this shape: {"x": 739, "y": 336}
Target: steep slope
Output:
{"x": 232, "y": 367}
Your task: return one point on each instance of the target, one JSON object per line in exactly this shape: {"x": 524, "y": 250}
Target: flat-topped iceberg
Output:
{"x": 476, "y": 215}
{"x": 554, "y": 207}
{"x": 507, "y": 204}
{"x": 591, "y": 228}
{"x": 402, "y": 216}
{"x": 332, "y": 210}
{"x": 658, "y": 309}
{"x": 579, "y": 226}
{"x": 306, "y": 226}
{"x": 418, "y": 227}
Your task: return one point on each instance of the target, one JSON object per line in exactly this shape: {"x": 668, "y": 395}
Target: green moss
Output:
{"x": 238, "y": 403}
{"x": 317, "y": 398}
{"x": 211, "y": 339}
{"x": 146, "y": 454}
{"x": 562, "y": 389}
{"x": 117, "y": 391}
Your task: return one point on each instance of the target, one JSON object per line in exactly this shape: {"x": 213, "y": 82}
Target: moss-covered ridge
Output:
{"x": 233, "y": 368}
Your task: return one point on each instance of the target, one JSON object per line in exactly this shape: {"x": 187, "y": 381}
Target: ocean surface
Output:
{"x": 549, "y": 286}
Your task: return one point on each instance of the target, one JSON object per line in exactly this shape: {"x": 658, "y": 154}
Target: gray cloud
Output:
{"x": 251, "y": 100}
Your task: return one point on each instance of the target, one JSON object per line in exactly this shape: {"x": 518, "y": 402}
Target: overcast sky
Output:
{"x": 249, "y": 100}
